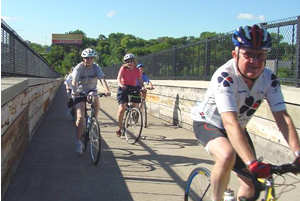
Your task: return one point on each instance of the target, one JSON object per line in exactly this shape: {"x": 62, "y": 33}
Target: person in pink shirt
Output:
{"x": 127, "y": 82}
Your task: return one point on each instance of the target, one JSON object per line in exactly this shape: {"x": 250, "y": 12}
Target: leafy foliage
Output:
{"x": 111, "y": 50}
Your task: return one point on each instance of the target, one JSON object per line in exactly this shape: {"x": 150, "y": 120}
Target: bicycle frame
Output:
{"x": 269, "y": 188}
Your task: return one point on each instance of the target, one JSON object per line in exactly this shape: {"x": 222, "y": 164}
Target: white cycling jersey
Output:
{"x": 228, "y": 92}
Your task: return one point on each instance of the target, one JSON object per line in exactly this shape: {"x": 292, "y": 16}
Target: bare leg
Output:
{"x": 80, "y": 119}
{"x": 224, "y": 157}
{"x": 120, "y": 114}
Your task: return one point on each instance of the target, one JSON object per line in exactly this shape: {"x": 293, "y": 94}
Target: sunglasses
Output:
{"x": 130, "y": 61}
{"x": 88, "y": 58}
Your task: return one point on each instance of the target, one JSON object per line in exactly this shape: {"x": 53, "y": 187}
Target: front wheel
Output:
{"x": 95, "y": 141}
{"x": 198, "y": 185}
{"x": 144, "y": 111}
{"x": 133, "y": 125}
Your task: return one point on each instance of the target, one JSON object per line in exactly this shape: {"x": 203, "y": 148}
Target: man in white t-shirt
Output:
{"x": 235, "y": 92}
{"x": 85, "y": 77}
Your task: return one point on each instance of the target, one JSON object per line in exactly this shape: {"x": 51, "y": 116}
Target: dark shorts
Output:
{"x": 205, "y": 132}
{"x": 134, "y": 92}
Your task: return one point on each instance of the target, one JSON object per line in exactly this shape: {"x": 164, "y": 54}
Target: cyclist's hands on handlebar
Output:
{"x": 122, "y": 86}
{"x": 260, "y": 169}
{"x": 297, "y": 162}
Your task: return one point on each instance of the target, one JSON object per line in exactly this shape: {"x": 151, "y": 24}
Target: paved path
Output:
{"x": 154, "y": 169}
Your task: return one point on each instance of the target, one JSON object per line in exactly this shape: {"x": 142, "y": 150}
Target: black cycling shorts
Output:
{"x": 122, "y": 94}
{"x": 205, "y": 132}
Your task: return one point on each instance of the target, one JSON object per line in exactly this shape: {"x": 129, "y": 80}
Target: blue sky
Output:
{"x": 36, "y": 20}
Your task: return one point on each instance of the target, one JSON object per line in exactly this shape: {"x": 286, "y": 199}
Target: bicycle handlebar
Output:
{"x": 285, "y": 168}
{"x": 275, "y": 169}
{"x": 83, "y": 97}
{"x": 149, "y": 88}
{"x": 101, "y": 94}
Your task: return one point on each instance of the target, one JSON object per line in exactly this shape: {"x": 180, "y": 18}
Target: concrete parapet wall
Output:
{"x": 173, "y": 100}
{"x": 23, "y": 103}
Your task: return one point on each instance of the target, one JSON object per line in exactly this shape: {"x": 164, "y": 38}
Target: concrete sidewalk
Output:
{"x": 154, "y": 169}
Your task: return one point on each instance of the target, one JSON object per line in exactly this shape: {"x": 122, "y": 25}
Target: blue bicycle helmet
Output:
{"x": 252, "y": 37}
{"x": 140, "y": 66}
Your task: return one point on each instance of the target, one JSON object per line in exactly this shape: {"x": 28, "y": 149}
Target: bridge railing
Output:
{"x": 18, "y": 59}
{"x": 198, "y": 61}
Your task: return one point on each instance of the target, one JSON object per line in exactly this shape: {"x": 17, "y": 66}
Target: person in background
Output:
{"x": 146, "y": 81}
{"x": 145, "y": 78}
{"x": 68, "y": 85}
{"x": 127, "y": 82}
{"x": 235, "y": 92}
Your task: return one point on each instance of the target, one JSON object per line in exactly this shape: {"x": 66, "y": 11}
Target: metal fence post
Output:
{"x": 174, "y": 61}
{"x": 298, "y": 52}
{"x": 207, "y": 59}
{"x": 12, "y": 53}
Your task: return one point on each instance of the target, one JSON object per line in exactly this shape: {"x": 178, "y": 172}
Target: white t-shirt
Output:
{"x": 87, "y": 76}
{"x": 227, "y": 91}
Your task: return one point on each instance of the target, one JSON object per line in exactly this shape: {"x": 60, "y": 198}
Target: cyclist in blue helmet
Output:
{"x": 235, "y": 92}
{"x": 146, "y": 81}
{"x": 145, "y": 78}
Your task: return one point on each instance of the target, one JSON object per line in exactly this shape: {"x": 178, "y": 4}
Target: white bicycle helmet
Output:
{"x": 128, "y": 56}
{"x": 88, "y": 52}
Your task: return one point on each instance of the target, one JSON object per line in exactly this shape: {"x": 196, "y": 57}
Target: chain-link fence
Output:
{"x": 201, "y": 59}
{"x": 18, "y": 59}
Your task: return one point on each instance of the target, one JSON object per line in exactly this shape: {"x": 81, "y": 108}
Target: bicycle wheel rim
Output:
{"x": 95, "y": 141}
{"x": 133, "y": 125}
{"x": 145, "y": 114}
{"x": 86, "y": 136}
{"x": 198, "y": 185}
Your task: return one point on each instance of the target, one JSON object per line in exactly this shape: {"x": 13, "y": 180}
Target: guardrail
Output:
{"x": 199, "y": 60}
{"x": 18, "y": 59}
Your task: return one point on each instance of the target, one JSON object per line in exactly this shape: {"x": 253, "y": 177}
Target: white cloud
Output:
{"x": 111, "y": 13}
{"x": 9, "y": 19}
{"x": 248, "y": 16}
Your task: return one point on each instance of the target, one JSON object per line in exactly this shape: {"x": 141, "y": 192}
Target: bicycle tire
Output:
{"x": 95, "y": 141}
{"x": 145, "y": 114}
{"x": 85, "y": 137}
{"x": 198, "y": 185}
{"x": 133, "y": 125}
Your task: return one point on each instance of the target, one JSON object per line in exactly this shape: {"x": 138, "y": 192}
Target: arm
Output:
{"x": 287, "y": 128}
{"x": 119, "y": 78}
{"x": 100, "y": 76}
{"x": 151, "y": 85}
{"x": 237, "y": 136}
{"x": 75, "y": 77}
{"x": 140, "y": 80}
{"x": 105, "y": 85}
{"x": 141, "y": 83}
{"x": 147, "y": 80}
